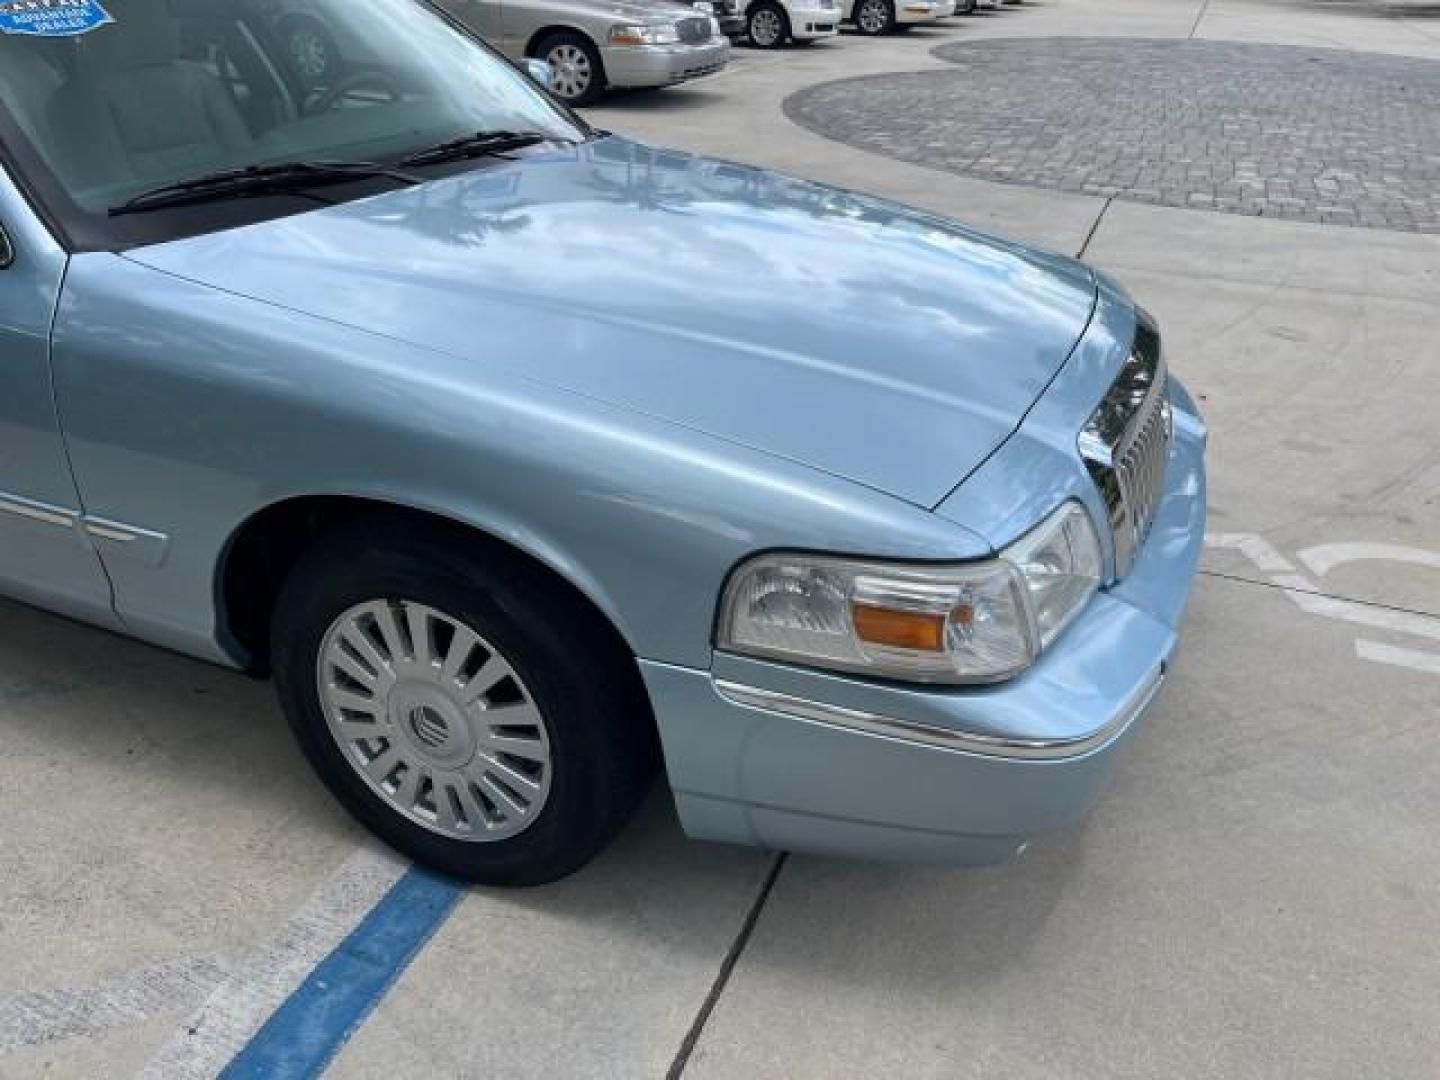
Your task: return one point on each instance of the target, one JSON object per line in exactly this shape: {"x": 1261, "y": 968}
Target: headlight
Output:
{"x": 966, "y": 623}
{"x": 1060, "y": 565}
{"x": 644, "y": 35}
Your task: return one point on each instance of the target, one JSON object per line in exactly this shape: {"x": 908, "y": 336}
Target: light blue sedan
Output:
{"x": 525, "y": 458}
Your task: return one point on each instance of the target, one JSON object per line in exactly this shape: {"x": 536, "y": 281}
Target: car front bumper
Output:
{"x": 808, "y": 24}
{"x": 663, "y": 65}
{"x": 787, "y": 758}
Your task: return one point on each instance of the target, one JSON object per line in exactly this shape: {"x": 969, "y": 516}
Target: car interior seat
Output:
{"x": 30, "y": 79}
{"x": 136, "y": 108}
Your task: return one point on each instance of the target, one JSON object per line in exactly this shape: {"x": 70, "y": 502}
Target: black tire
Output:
{"x": 584, "y": 684}
{"x": 769, "y": 17}
{"x": 312, "y": 50}
{"x": 874, "y": 17}
{"x": 569, "y": 40}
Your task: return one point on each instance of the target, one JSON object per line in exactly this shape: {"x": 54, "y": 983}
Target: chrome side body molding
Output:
{"x": 143, "y": 544}
{"x": 37, "y": 511}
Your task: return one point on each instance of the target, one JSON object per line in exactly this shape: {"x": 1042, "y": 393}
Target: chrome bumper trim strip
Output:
{"x": 969, "y": 742}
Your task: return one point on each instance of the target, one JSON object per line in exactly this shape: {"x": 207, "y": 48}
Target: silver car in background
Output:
{"x": 592, "y": 45}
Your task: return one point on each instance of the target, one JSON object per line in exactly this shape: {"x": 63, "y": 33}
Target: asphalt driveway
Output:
{"x": 1257, "y": 896}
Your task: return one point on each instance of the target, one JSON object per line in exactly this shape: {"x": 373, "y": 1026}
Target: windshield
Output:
{"x": 108, "y": 99}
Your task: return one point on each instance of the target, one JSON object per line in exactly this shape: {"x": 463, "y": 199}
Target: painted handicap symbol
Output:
{"x": 1307, "y": 595}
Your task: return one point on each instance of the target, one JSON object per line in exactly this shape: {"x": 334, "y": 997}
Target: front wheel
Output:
{"x": 577, "y": 74}
{"x": 874, "y": 17}
{"x": 463, "y": 705}
{"x": 767, "y": 25}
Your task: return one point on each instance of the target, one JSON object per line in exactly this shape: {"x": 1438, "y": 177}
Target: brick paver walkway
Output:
{"x": 1301, "y": 133}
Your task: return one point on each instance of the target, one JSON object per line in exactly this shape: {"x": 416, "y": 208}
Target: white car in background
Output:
{"x": 875, "y": 17}
{"x": 769, "y": 24}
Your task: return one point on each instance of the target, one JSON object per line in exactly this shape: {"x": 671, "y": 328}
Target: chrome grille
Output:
{"x": 1141, "y": 465}
{"x": 1126, "y": 445}
{"x": 693, "y": 31}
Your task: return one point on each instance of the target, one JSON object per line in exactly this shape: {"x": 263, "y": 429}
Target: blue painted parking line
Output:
{"x": 306, "y": 1032}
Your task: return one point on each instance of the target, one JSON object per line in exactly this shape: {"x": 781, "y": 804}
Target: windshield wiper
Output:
{"x": 279, "y": 178}
{"x": 479, "y": 144}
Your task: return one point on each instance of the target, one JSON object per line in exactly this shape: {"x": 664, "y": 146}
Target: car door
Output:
{"x": 45, "y": 554}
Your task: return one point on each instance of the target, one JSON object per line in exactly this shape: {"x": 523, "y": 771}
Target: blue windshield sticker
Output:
{"x": 51, "y": 18}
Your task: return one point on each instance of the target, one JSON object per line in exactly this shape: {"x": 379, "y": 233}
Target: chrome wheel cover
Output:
{"x": 435, "y": 720}
{"x": 872, "y": 16}
{"x": 766, "y": 29}
{"x": 571, "y": 73}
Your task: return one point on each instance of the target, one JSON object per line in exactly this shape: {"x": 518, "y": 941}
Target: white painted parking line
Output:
{"x": 1413, "y": 659}
{"x": 35, "y": 1017}
{"x": 246, "y": 998}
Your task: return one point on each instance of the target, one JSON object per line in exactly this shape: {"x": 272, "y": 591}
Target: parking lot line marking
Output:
{"x": 1414, "y": 659}
{"x": 309, "y": 1029}
{"x": 243, "y": 1001}
{"x": 1255, "y": 548}
{"x": 36, "y": 1017}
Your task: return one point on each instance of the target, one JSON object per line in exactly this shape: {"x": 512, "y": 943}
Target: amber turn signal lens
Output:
{"x": 899, "y": 629}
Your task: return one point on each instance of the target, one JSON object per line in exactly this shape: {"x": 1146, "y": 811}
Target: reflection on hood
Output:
{"x": 845, "y": 332}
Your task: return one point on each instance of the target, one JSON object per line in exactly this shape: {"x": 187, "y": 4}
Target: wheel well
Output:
{"x": 533, "y": 45}
{"x": 263, "y": 551}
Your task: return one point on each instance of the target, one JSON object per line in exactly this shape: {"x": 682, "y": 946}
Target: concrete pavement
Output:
{"x": 1257, "y": 896}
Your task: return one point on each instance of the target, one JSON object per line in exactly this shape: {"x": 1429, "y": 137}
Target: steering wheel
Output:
{"x": 373, "y": 79}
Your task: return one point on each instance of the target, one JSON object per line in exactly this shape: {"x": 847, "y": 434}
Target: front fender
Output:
{"x": 190, "y": 409}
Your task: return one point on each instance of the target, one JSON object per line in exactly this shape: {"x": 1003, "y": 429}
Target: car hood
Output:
{"x": 660, "y": 11}
{"x": 847, "y": 333}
